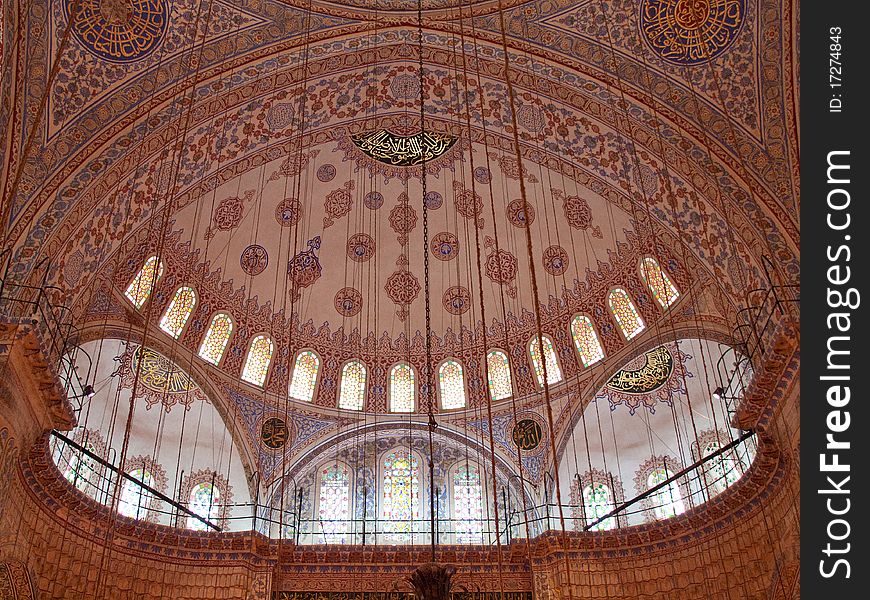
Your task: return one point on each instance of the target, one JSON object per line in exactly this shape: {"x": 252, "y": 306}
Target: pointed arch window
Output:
{"x": 176, "y": 315}
{"x": 661, "y": 286}
{"x": 554, "y": 373}
{"x": 667, "y": 501}
{"x": 79, "y": 469}
{"x": 144, "y": 281}
{"x": 304, "y": 376}
{"x": 402, "y": 389}
{"x": 499, "y": 373}
{"x": 451, "y": 385}
{"x": 351, "y": 393}
{"x": 257, "y": 363}
{"x": 205, "y": 500}
{"x": 625, "y": 313}
{"x": 334, "y": 503}
{"x": 468, "y": 504}
{"x": 400, "y": 505}
{"x": 586, "y": 340}
{"x": 135, "y": 500}
{"x": 215, "y": 341}
{"x": 722, "y": 471}
{"x": 597, "y": 502}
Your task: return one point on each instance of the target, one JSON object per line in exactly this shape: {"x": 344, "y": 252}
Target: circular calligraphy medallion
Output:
{"x": 433, "y": 200}
{"x": 254, "y": 259}
{"x": 348, "y": 301}
{"x": 373, "y": 200}
{"x": 482, "y": 175}
{"x": 274, "y": 433}
{"x": 360, "y": 247}
{"x": 517, "y": 212}
{"x": 555, "y": 260}
{"x": 691, "y": 32}
{"x": 119, "y": 31}
{"x": 445, "y": 246}
{"x": 326, "y": 173}
{"x": 527, "y": 434}
{"x": 456, "y": 300}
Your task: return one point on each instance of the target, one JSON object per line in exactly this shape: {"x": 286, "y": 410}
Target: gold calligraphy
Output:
{"x": 690, "y": 32}
{"x": 274, "y": 432}
{"x": 160, "y": 374}
{"x": 120, "y": 30}
{"x": 403, "y": 151}
{"x": 527, "y": 434}
{"x": 657, "y": 368}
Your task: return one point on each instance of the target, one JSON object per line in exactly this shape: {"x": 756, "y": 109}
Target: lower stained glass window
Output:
{"x": 334, "y": 503}
{"x": 597, "y": 502}
{"x": 135, "y": 501}
{"x": 667, "y": 501}
{"x": 468, "y": 504}
{"x": 204, "y": 501}
{"x": 400, "y": 505}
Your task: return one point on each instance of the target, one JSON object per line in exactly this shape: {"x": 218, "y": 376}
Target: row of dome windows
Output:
{"x": 402, "y": 394}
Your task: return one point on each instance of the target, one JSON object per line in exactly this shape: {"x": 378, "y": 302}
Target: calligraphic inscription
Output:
{"x": 657, "y": 368}
{"x": 119, "y": 30}
{"x": 160, "y": 374}
{"x": 527, "y": 434}
{"x": 690, "y": 32}
{"x": 274, "y": 433}
{"x": 403, "y": 151}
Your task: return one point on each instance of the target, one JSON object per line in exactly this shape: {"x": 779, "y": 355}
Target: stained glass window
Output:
{"x": 451, "y": 385}
{"x": 658, "y": 281}
{"x": 134, "y": 501}
{"x": 147, "y": 277}
{"x": 401, "y": 501}
{"x": 554, "y": 373}
{"x": 215, "y": 341}
{"x": 468, "y": 504}
{"x": 499, "y": 375}
{"x": 722, "y": 471}
{"x": 178, "y": 312}
{"x": 334, "y": 505}
{"x": 667, "y": 501}
{"x": 204, "y": 501}
{"x": 586, "y": 340}
{"x": 351, "y": 394}
{"x": 304, "y": 376}
{"x": 626, "y": 314}
{"x": 402, "y": 388}
{"x": 80, "y": 469}
{"x": 257, "y": 363}
{"x": 597, "y": 503}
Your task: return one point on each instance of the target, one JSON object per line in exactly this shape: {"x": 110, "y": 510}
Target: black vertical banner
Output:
{"x": 835, "y": 298}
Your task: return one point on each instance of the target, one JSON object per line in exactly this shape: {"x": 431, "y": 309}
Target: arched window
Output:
{"x": 205, "y": 500}
{"x": 721, "y": 471}
{"x": 257, "y": 363}
{"x": 215, "y": 341}
{"x": 597, "y": 502}
{"x": 625, "y": 313}
{"x": 554, "y": 373}
{"x": 401, "y": 496}
{"x": 667, "y": 501}
{"x": 79, "y": 469}
{"x": 135, "y": 500}
{"x": 144, "y": 281}
{"x": 467, "y": 504}
{"x": 178, "y": 312}
{"x": 402, "y": 388}
{"x": 500, "y": 386}
{"x": 304, "y": 376}
{"x": 351, "y": 393}
{"x": 451, "y": 385}
{"x": 586, "y": 340}
{"x": 334, "y": 503}
{"x": 658, "y": 281}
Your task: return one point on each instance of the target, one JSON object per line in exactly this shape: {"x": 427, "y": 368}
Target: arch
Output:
{"x": 134, "y": 501}
{"x": 303, "y": 383}
{"x": 667, "y": 501}
{"x": 82, "y": 471}
{"x": 207, "y": 494}
{"x": 259, "y": 358}
{"x": 554, "y": 372}
{"x": 467, "y": 496}
{"x": 499, "y": 375}
{"x": 594, "y": 494}
{"x": 722, "y": 471}
{"x": 661, "y": 286}
{"x": 403, "y": 391}
{"x": 146, "y": 279}
{"x": 178, "y": 311}
{"x": 625, "y": 313}
{"x": 352, "y": 389}
{"x": 400, "y": 484}
{"x": 215, "y": 340}
{"x": 586, "y": 340}
{"x": 334, "y": 501}
{"x": 451, "y": 385}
